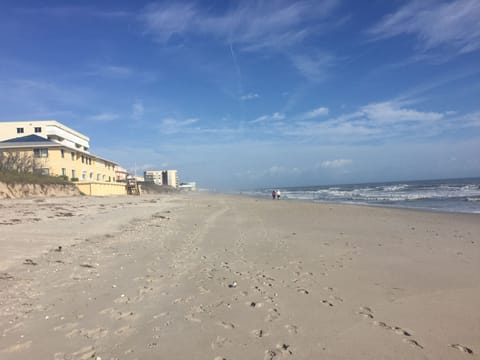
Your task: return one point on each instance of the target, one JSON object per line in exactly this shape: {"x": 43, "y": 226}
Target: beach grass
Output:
{"x": 15, "y": 177}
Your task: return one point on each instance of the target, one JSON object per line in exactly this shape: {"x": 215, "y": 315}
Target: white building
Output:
{"x": 47, "y": 129}
{"x": 153, "y": 176}
{"x": 162, "y": 177}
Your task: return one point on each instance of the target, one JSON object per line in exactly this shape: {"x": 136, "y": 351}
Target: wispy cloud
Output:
{"x": 315, "y": 113}
{"x": 137, "y": 110}
{"x": 392, "y": 113}
{"x": 251, "y": 96}
{"x": 372, "y": 121}
{"x": 172, "y": 126}
{"x": 111, "y": 71}
{"x": 453, "y": 24}
{"x": 335, "y": 164}
{"x": 255, "y": 25}
{"x": 166, "y": 20}
{"x": 104, "y": 117}
{"x": 274, "y": 171}
{"x": 73, "y": 11}
{"x": 267, "y": 118}
{"x": 314, "y": 67}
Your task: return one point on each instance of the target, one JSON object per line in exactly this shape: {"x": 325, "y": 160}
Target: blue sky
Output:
{"x": 242, "y": 94}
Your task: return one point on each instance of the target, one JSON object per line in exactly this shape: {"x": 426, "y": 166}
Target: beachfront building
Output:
{"x": 162, "y": 177}
{"x": 120, "y": 174}
{"x": 188, "y": 186}
{"x": 170, "y": 177}
{"x": 47, "y": 129}
{"x": 57, "y": 150}
{"x": 153, "y": 176}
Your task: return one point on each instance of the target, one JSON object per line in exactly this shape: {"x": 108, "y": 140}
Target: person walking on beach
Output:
{"x": 278, "y": 194}
{"x": 274, "y": 194}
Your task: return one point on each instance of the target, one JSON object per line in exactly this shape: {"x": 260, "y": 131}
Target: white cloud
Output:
{"x": 274, "y": 171}
{"x": 104, "y": 117}
{"x": 265, "y": 118}
{"x": 255, "y": 25}
{"x": 137, "y": 110}
{"x": 313, "y": 67}
{"x": 112, "y": 71}
{"x": 168, "y": 19}
{"x": 249, "y": 97}
{"x": 389, "y": 112}
{"x": 335, "y": 164}
{"x": 371, "y": 121}
{"x": 321, "y": 111}
{"x": 171, "y": 126}
{"x": 435, "y": 24}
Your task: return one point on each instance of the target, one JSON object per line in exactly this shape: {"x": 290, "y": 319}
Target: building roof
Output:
{"x": 30, "y": 141}
{"x": 27, "y": 139}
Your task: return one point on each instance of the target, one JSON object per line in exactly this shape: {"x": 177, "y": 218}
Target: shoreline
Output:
{"x": 386, "y": 206}
{"x": 237, "y": 276}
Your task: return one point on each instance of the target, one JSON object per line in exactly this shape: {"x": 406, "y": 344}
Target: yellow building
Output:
{"x": 59, "y": 151}
{"x": 57, "y": 159}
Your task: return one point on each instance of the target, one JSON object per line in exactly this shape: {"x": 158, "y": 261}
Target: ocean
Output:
{"x": 452, "y": 195}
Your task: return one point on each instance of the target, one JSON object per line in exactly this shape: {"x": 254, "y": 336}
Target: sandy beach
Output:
{"x": 197, "y": 276}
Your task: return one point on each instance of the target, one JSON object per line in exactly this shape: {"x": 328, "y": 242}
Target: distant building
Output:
{"x": 162, "y": 177}
{"x": 170, "y": 177}
{"x": 188, "y": 186}
{"x": 120, "y": 173}
{"x": 152, "y": 176}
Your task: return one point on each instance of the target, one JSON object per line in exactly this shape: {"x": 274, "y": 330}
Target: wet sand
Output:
{"x": 195, "y": 276}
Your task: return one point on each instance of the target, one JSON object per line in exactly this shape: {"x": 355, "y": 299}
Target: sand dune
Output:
{"x": 192, "y": 276}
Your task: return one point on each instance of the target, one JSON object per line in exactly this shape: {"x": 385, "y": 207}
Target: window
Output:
{"x": 84, "y": 175}
{"x": 83, "y": 159}
{"x": 64, "y": 172}
{"x": 38, "y": 129}
{"x": 73, "y": 156}
{"x": 91, "y": 176}
{"x": 73, "y": 174}
{"x": 63, "y": 153}
{"x": 19, "y": 130}
{"x": 40, "y": 153}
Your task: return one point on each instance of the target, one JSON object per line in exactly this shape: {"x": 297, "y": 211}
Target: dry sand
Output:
{"x": 193, "y": 276}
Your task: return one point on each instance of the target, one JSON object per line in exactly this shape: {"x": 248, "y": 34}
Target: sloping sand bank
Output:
{"x": 192, "y": 276}
{"x": 15, "y": 191}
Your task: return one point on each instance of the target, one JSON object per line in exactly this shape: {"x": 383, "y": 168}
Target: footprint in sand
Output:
{"x": 292, "y": 329}
{"x": 462, "y": 348}
{"x": 220, "y": 342}
{"x": 87, "y": 352}
{"x": 326, "y": 302}
{"x": 125, "y": 331}
{"x": 259, "y": 333}
{"x": 396, "y": 329}
{"x": 366, "y": 312}
{"x": 269, "y": 355}
{"x": 336, "y": 298}
{"x": 191, "y": 318}
{"x": 413, "y": 343}
{"x": 400, "y": 331}
{"x": 96, "y": 333}
{"x": 303, "y": 291}
{"x": 273, "y": 314}
{"x": 66, "y": 327}
{"x": 226, "y": 325}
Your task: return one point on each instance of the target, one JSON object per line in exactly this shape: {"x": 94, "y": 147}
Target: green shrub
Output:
{"x": 17, "y": 177}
